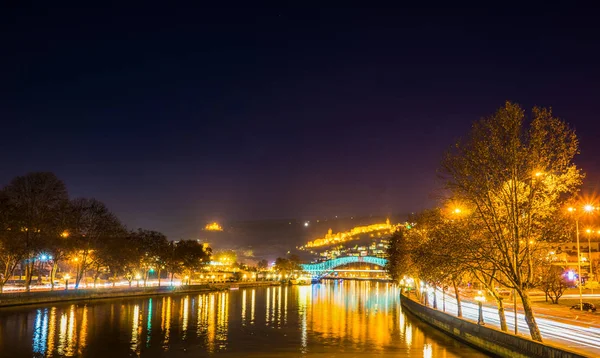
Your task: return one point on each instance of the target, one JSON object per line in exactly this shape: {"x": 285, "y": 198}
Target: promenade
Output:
{"x": 61, "y": 295}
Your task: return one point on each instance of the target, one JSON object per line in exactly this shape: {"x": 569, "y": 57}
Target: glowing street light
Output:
{"x": 588, "y": 208}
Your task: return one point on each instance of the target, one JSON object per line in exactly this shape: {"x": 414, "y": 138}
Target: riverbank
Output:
{"x": 487, "y": 339}
{"x": 33, "y": 298}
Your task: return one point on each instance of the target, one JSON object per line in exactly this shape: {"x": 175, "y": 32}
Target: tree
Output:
{"x": 517, "y": 175}
{"x": 33, "y": 207}
{"x": 151, "y": 250}
{"x": 288, "y": 265}
{"x": 92, "y": 224}
{"x": 553, "y": 282}
{"x": 262, "y": 264}
{"x": 191, "y": 255}
{"x": 120, "y": 255}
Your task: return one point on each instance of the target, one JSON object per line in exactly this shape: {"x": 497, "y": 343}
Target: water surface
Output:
{"x": 345, "y": 319}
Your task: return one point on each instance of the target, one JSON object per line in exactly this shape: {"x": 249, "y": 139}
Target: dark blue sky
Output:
{"x": 178, "y": 116}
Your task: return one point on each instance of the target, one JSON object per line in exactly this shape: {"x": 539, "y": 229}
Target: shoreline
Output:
{"x": 43, "y": 297}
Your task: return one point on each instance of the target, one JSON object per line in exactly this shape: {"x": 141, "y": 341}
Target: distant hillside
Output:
{"x": 269, "y": 239}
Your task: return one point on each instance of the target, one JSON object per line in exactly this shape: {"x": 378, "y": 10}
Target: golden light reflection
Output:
{"x": 135, "y": 330}
{"x": 273, "y": 296}
{"x": 267, "y": 310}
{"x": 210, "y": 331}
{"x": 427, "y": 351}
{"x": 252, "y": 305}
{"x": 184, "y": 324}
{"x": 244, "y": 308}
{"x": 62, "y": 334}
{"x": 285, "y": 305}
{"x": 223, "y": 320}
{"x": 51, "y": 330}
{"x": 166, "y": 326}
{"x": 279, "y": 307}
{"x": 71, "y": 339}
{"x": 350, "y": 310}
{"x": 83, "y": 331}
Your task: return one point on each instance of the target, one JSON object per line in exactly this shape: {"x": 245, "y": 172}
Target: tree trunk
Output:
{"x": 458, "y": 302}
{"x": 158, "y": 277}
{"x": 114, "y": 280}
{"x": 29, "y": 274}
{"x": 501, "y": 314}
{"x": 53, "y": 274}
{"x": 529, "y": 318}
{"x": 434, "y": 299}
{"x": 96, "y": 275}
{"x": 145, "y": 277}
{"x": 172, "y": 274}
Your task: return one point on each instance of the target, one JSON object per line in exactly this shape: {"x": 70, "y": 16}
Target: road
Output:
{"x": 575, "y": 336}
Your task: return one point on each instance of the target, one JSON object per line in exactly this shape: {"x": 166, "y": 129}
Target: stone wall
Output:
{"x": 487, "y": 339}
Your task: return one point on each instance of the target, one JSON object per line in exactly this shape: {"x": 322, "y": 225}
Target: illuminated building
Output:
{"x": 213, "y": 227}
{"x": 353, "y": 234}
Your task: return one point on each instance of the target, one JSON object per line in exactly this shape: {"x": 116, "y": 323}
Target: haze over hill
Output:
{"x": 269, "y": 239}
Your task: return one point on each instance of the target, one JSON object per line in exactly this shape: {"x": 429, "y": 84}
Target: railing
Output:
{"x": 324, "y": 267}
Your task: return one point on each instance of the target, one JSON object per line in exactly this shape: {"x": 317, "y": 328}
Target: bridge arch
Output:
{"x": 321, "y": 268}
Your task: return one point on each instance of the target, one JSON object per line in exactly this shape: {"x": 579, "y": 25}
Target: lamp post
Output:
{"x": 589, "y": 235}
{"x": 588, "y": 208}
{"x": 67, "y": 277}
{"x": 480, "y": 298}
{"x": 137, "y": 278}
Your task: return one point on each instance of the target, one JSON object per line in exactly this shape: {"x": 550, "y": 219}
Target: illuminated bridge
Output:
{"x": 326, "y": 267}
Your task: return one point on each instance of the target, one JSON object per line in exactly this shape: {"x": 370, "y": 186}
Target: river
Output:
{"x": 334, "y": 319}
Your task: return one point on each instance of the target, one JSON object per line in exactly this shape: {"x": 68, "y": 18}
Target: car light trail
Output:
{"x": 568, "y": 335}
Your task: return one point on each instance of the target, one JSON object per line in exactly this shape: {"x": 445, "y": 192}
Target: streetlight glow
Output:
{"x": 588, "y": 208}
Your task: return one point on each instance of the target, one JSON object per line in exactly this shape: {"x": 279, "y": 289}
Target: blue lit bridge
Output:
{"x": 325, "y": 268}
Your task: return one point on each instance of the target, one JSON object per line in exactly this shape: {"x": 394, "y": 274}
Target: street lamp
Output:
{"x": 137, "y": 278}
{"x": 67, "y": 277}
{"x": 589, "y": 232}
{"x": 480, "y": 298}
{"x": 587, "y": 209}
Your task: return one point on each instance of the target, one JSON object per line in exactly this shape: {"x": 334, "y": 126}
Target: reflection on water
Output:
{"x": 350, "y": 316}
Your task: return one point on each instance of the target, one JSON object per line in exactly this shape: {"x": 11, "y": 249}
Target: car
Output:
{"x": 590, "y": 307}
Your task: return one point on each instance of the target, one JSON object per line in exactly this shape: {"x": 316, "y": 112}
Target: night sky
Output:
{"x": 174, "y": 117}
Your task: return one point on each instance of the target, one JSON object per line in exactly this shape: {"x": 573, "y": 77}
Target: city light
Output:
{"x": 214, "y": 226}
{"x": 588, "y": 208}
{"x": 334, "y": 238}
